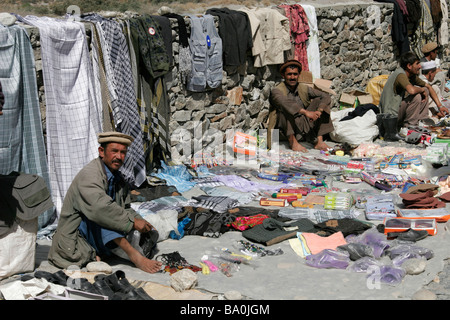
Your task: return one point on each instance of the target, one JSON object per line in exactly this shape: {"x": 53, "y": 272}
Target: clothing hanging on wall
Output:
{"x": 151, "y": 62}
{"x": 274, "y": 29}
{"x": 312, "y": 45}
{"x": 235, "y": 32}
{"x": 206, "y": 51}
{"x": 184, "y": 54}
{"x": 299, "y": 32}
{"x": 425, "y": 31}
{"x": 22, "y": 147}
{"x": 125, "y": 109}
{"x": 73, "y": 116}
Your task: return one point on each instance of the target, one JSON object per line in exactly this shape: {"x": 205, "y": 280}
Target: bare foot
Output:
{"x": 295, "y": 146}
{"x": 147, "y": 265}
{"x": 321, "y": 146}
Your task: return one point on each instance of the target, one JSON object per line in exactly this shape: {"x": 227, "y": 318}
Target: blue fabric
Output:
{"x": 98, "y": 237}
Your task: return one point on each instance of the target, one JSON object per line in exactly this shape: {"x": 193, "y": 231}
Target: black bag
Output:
{"x": 24, "y": 196}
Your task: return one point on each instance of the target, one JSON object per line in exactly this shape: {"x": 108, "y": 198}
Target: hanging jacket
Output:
{"x": 206, "y": 50}
{"x": 236, "y": 35}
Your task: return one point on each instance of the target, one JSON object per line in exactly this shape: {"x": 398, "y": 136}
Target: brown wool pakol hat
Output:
{"x": 429, "y": 47}
{"x": 117, "y": 137}
{"x": 289, "y": 63}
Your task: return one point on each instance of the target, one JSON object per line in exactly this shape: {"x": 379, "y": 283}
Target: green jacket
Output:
{"x": 88, "y": 196}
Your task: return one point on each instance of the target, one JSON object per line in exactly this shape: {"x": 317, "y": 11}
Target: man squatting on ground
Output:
{"x": 96, "y": 215}
{"x": 405, "y": 95}
{"x": 302, "y": 112}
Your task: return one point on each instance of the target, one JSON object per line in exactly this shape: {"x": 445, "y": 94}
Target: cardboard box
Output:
{"x": 354, "y": 98}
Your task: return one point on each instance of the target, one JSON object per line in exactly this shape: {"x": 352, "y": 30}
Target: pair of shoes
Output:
{"x": 409, "y": 235}
{"x": 58, "y": 277}
{"x": 116, "y": 287}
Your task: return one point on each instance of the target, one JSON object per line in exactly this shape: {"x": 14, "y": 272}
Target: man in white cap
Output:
{"x": 430, "y": 53}
{"x": 429, "y": 70}
{"x": 96, "y": 216}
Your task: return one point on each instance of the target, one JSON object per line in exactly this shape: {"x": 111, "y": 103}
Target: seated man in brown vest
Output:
{"x": 302, "y": 113}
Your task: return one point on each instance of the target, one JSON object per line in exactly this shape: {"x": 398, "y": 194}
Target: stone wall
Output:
{"x": 355, "y": 45}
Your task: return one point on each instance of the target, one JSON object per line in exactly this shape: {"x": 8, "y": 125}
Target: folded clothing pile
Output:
{"x": 424, "y": 200}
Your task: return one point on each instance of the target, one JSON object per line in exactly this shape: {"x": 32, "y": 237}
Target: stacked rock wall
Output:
{"x": 355, "y": 45}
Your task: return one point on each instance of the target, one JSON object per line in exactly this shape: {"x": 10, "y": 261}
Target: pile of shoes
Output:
{"x": 114, "y": 286}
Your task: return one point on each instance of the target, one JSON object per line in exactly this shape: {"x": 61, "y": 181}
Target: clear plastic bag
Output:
{"x": 328, "y": 259}
{"x": 401, "y": 252}
{"x": 376, "y": 240}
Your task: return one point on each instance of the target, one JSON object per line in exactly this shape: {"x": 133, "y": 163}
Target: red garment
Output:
{"x": 244, "y": 223}
{"x": 299, "y": 30}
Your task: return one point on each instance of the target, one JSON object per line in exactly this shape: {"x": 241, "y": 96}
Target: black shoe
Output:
{"x": 380, "y": 125}
{"x": 58, "y": 277}
{"x": 137, "y": 294}
{"x": 390, "y": 128}
{"x": 118, "y": 283}
{"x": 413, "y": 235}
{"x": 81, "y": 284}
{"x": 103, "y": 288}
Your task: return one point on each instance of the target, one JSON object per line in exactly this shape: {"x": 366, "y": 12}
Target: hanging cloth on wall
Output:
{"x": 425, "y": 31}
{"x": 399, "y": 31}
{"x": 152, "y": 62}
{"x": 22, "y": 147}
{"x": 236, "y": 35}
{"x": 443, "y": 27}
{"x": 299, "y": 31}
{"x": 312, "y": 45}
{"x": 206, "y": 50}
{"x": 73, "y": 116}
{"x": 184, "y": 54}
{"x": 125, "y": 110}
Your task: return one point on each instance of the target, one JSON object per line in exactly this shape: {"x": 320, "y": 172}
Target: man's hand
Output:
{"x": 424, "y": 95}
{"x": 313, "y": 115}
{"x": 142, "y": 225}
{"x": 442, "y": 112}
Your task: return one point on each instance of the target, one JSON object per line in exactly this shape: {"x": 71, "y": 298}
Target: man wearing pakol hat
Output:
{"x": 429, "y": 71}
{"x": 430, "y": 52}
{"x": 302, "y": 112}
{"x": 96, "y": 216}
{"x": 405, "y": 96}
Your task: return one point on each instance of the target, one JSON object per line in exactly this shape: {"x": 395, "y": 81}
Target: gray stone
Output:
{"x": 184, "y": 279}
{"x": 414, "y": 266}
{"x": 99, "y": 266}
{"x": 233, "y": 295}
{"x": 424, "y": 294}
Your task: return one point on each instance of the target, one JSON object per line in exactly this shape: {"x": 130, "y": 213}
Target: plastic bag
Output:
{"x": 391, "y": 275}
{"x": 354, "y": 131}
{"x": 164, "y": 221}
{"x": 357, "y": 250}
{"x": 364, "y": 264}
{"x": 375, "y": 87}
{"x": 328, "y": 259}
{"x": 401, "y": 252}
{"x": 177, "y": 236}
{"x": 376, "y": 240}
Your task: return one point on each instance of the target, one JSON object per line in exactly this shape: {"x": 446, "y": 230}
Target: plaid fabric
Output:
{"x": 152, "y": 62}
{"x": 73, "y": 118}
{"x": 215, "y": 203}
{"x": 116, "y": 58}
{"x": 21, "y": 139}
